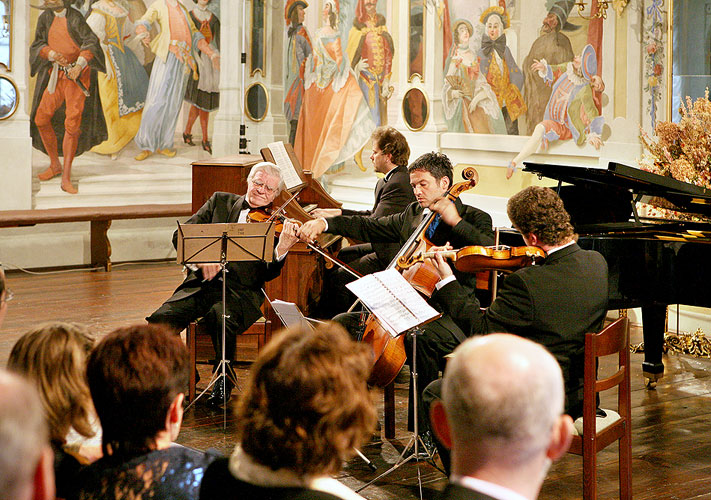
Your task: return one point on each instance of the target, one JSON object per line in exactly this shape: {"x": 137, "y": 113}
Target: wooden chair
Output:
{"x": 595, "y": 434}
{"x": 201, "y": 350}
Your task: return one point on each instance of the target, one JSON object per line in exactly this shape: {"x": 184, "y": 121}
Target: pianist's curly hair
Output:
{"x": 307, "y": 404}
{"x": 392, "y": 142}
{"x": 540, "y": 211}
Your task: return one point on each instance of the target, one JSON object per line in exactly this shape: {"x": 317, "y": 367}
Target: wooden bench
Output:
{"x": 100, "y": 219}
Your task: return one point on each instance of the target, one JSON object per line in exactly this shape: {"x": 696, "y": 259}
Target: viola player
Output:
{"x": 460, "y": 225}
{"x": 200, "y": 294}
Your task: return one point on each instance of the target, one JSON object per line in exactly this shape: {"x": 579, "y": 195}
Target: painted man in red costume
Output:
{"x": 370, "y": 49}
{"x": 65, "y": 56}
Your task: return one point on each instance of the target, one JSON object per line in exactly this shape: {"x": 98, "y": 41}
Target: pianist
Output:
{"x": 392, "y": 194}
{"x": 200, "y": 294}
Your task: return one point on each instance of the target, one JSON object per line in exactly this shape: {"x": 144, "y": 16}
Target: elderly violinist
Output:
{"x": 554, "y": 304}
{"x": 455, "y": 223}
{"x": 200, "y": 294}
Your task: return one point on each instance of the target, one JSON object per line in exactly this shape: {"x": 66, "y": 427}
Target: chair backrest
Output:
{"x": 613, "y": 339}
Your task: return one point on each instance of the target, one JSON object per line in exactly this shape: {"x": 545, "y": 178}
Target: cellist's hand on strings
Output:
{"x": 288, "y": 237}
{"x": 311, "y": 230}
{"x": 439, "y": 262}
{"x": 446, "y": 210}
{"x": 209, "y": 271}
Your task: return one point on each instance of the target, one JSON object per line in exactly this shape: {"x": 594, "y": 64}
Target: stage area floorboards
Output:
{"x": 671, "y": 436}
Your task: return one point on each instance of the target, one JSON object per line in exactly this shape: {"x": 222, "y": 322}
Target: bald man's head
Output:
{"x": 503, "y": 395}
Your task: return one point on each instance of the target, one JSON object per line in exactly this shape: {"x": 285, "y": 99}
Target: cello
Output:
{"x": 389, "y": 352}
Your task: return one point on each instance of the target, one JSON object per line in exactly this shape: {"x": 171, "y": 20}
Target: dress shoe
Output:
{"x": 221, "y": 393}
{"x": 188, "y": 139}
{"x": 430, "y": 449}
{"x": 207, "y": 146}
{"x": 143, "y": 155}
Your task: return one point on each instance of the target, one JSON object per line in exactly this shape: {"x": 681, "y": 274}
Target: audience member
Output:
{"x": 136, "y": 377}
{"x": 502, "y": 416}
{"x": 53, "y": 358}
{"x": 305, "y": 408}
{"x": 25, "y": 455}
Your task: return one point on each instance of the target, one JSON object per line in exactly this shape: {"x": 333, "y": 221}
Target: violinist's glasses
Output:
{"x": 262, "y": 185}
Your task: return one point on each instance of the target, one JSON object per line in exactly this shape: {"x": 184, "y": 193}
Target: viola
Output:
{"x": 473, "y": 259}
{"x": 389, "y": 353}
{"x": 264, "y": 214}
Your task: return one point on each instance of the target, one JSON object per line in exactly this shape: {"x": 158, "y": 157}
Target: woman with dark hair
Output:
{"x": 53, "y": 358}
{"x": 136, "y": 377}
{"x": 305, "y": 408}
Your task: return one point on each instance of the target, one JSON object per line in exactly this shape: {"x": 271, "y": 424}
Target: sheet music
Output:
{"x": 282, "y": 160}
{"x": 289, "y": 313}
{"x": 392, "y": 299}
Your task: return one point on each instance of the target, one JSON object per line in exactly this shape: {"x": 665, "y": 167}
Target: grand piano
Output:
{"x": 652, "y": 262}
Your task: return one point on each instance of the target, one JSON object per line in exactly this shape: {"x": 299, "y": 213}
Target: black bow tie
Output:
{"x": 487, "y": 45}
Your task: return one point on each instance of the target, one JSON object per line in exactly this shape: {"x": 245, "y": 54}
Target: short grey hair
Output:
{"x": 23, "y": 434}
{"x": 503, "y": 395}
{"x": 270, "y": 169}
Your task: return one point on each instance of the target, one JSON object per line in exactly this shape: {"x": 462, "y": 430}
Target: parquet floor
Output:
{"x": 671, "y": 436}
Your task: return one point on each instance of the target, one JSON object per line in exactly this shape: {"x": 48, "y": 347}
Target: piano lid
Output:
{"x": 685, "y": 196}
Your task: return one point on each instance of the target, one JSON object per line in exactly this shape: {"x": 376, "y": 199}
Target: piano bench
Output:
{"x": 201, "y": 351}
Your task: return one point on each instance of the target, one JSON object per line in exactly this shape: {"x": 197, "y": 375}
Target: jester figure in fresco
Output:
{"x": 469, "y": 103}
{"x": 502, "y": 72}
{"x": 552, "y": 45}
{"x": 174, "y": 47}
{"x": 335, "y": 121}
{"x": 203, "y": 94}
{"x": 571, "y": 112}
{"x": 298, "y": 48}
{"x": 124, "y": 85}
{"x": 66, "y": 56}
{"x": 370, "y": 50}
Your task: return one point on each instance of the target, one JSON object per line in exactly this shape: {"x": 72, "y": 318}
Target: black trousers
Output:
{"x": 207, "y": 304}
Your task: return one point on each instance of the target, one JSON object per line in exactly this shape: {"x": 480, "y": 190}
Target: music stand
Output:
{"x": 400, "y": 310}
{"x": 222, "y": 243}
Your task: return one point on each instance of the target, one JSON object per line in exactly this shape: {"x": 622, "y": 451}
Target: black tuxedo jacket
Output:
{"x": 391, "y": 197}
{"x": 244, "y": 279}
{"x": 457, "y": 492}
{"x": 474, "y": 229}
{"x": 554, "y": 304}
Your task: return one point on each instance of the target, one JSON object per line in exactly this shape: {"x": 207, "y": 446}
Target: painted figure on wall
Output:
{"x": 500, "y": 68}
{"x": 65, "y": 55}
{"x": 203, "y": 94}
{"x": 335, "y": 121}
{"x": 174, "y": 47}
{"x": 370, "y": 50}
{"x": 124, "y": 85}
{"x": 469, "y": 103}
{"x": 571, "y": 112}
{"x": 553, "y": 46}
{"x": 298, "y": 48}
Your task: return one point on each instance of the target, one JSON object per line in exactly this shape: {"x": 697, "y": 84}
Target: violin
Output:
{"x": 473, "y": 259}
{"x": 264, "y": 214}
{"x": 389, "y": 353}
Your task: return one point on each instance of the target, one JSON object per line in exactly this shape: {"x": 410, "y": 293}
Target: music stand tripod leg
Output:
{"x": 415, "y": 439}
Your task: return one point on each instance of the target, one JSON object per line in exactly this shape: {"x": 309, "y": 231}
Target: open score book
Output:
{"x": 397, "y": 305}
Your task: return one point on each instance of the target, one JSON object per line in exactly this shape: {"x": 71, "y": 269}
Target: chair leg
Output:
{"x": 625, "y": 458}
{"x": 389, "y": 410}
{"x": 589, "y": 470}
{"x": 190, "y": 334}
